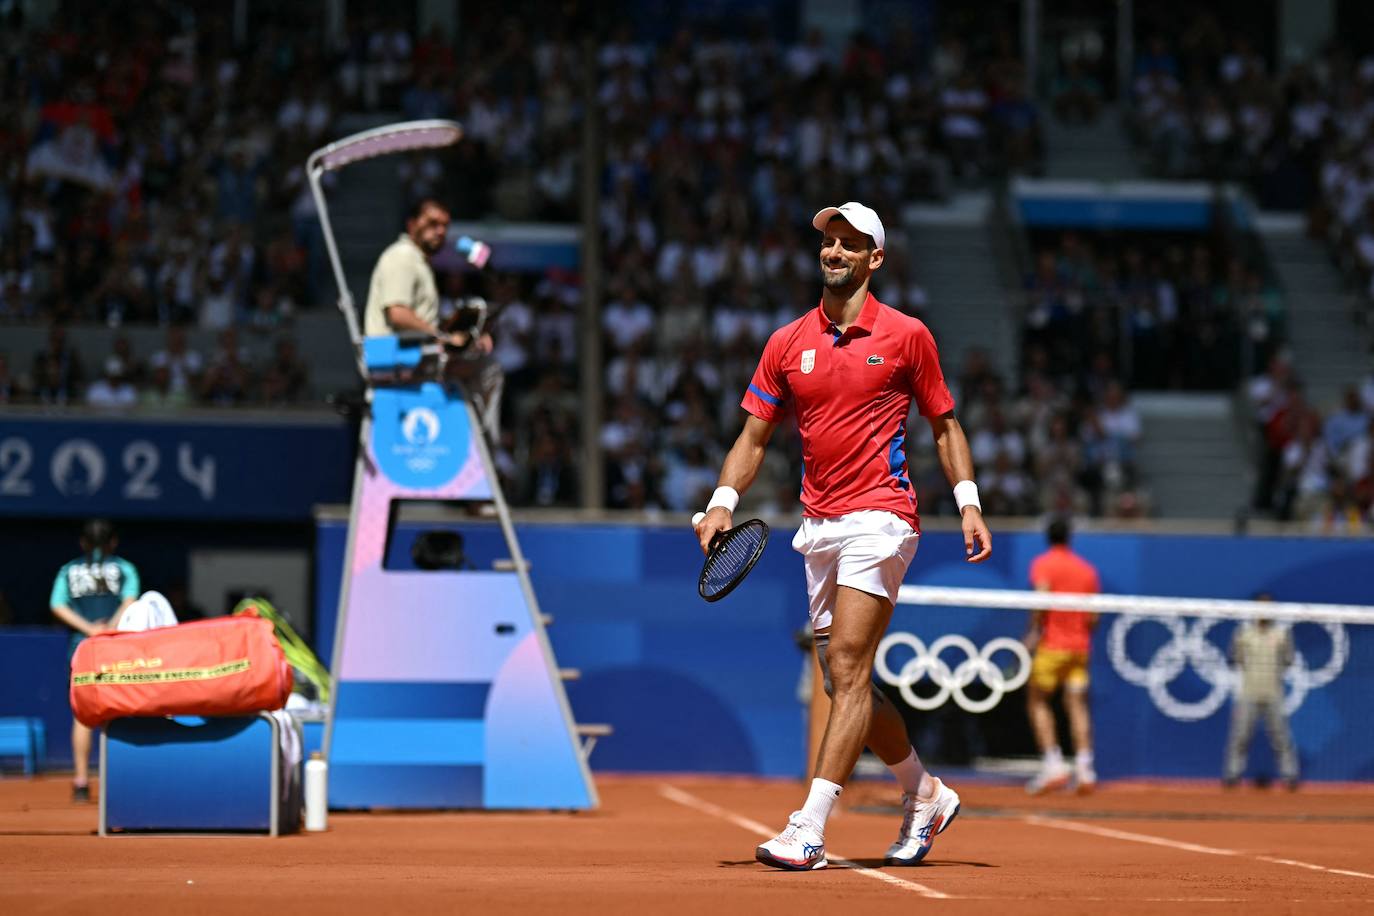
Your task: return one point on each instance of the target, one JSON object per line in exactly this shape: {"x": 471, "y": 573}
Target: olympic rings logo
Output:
{"x": 927, "y": 664}
{"x": 1188, "y": 646}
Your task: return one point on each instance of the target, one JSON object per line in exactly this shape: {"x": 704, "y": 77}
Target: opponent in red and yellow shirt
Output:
{"x": 1062, "y": 642}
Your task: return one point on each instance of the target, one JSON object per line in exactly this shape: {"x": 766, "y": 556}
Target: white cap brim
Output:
{"x": 857, "y": 215}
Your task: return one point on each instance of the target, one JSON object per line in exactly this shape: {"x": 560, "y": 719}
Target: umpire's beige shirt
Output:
{"x": 402, "y": 277}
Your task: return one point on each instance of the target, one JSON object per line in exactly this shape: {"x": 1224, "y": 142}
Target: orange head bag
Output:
{"x": 221, "y": 667}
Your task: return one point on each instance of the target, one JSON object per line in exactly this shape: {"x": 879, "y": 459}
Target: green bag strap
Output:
{"x": 298, "y": 654}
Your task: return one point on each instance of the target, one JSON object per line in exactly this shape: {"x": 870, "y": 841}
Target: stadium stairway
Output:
{"x": 1100, "y": 151}
{"x": 1192, "y": 458}
{"x": 956, "y": 262}
{"x": 1329, "y": 350}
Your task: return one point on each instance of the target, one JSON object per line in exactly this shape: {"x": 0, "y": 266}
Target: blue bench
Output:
{"x": 26, "y": 738}
{"x": 188, "y": 774}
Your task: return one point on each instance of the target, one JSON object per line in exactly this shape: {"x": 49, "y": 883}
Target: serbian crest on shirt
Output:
{"x": 808, "y": 361}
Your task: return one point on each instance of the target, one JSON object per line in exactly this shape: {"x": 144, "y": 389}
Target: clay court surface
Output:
{"x": 685, "y": 845}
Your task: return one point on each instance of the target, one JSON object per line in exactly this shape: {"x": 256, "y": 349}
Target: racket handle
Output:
{"x": 696, "y": 519}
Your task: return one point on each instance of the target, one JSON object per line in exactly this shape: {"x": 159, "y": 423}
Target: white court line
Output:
{"x": 674, "y": 794}
{"x": 1186, "y": 847}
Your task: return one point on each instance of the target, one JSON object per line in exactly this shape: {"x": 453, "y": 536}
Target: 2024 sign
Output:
{"x": 78, "y": 467}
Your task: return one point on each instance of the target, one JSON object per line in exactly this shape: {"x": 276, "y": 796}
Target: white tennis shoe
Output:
{"x": 800, "y": 847}
{"x": 922, "y": 821}
{"x": 1049, "y": 779}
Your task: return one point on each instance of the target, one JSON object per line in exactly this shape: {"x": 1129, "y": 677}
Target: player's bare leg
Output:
{"x": 929, "y": 806}
{"x": 859, "y": 622}
{"x": 1053, "y": 773}
{"x": 1081, "y": 728}
{"x": 851, "y": 641}
{"x": 887, "y": 734}
{"x": 81, "y": 752}
{"x": 1041, "y": 718}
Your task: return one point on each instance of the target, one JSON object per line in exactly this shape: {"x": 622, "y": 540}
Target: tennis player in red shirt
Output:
{"x": 851, "y": 369}
{"x": 1062, "y": 640}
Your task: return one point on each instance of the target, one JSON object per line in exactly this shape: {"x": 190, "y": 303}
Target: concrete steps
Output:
{"x": 1100, "y": 151}
{"x": 1192, "y": 456}
{"x": 1330, "y": 350}
{"x": 956, "y": 262}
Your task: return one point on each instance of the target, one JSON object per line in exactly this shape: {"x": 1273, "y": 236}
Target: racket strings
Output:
{"x": 732, "y": 556}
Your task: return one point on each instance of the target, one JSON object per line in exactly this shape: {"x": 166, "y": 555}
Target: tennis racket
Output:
{"x": 732, "y": 554}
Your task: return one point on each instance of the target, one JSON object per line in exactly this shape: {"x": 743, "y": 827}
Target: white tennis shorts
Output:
{"x": 868, "y": 550}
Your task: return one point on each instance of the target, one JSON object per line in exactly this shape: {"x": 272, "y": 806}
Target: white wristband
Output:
{"x": 724, "y": 496}
{"x": 966, "y": 494}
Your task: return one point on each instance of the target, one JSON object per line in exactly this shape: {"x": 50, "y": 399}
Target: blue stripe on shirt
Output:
{"x": 896, "y": 457}
{"x": 765, "y": 396}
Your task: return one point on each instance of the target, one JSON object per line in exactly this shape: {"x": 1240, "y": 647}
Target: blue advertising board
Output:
{"x": 714, "y": 688}
{"x": 233, "y": 467}
{"x": 697, "y": 687}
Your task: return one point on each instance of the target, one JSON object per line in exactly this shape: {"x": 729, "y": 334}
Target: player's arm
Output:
{"x": 403, "y": 318}
{"x": 957, "y": 462}
{"x": 740, "y": 468}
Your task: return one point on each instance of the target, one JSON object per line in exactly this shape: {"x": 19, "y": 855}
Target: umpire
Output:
{"x": 403, "y": 297}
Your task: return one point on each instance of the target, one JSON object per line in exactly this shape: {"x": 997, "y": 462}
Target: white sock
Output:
{"x": 1084, "y": 759}
{"x": 1054, "y": 758}
{"x": 914, "y": 776}
{"x": 820, "y": 800}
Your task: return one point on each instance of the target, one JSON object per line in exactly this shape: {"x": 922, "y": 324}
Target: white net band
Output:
{"x": 1152, "y": 605}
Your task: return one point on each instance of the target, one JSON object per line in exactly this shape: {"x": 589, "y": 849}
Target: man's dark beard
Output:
{"x": 837, "y": 281}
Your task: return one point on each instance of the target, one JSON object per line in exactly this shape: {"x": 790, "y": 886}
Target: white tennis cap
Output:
{"x": 860, "y": 217}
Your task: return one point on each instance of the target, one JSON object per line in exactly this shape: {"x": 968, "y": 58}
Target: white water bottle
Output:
{"x": 316, "y": 792}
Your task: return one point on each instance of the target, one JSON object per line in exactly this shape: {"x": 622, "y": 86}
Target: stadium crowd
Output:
{"x": 716, "y": 153}
{"x": 1314, "y": 468}
{"x": 1174, "y": 313}
{"x": 1209, "y": 104}
{"x": 151, "y": 175}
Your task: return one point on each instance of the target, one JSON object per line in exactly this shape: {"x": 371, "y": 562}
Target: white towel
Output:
{"x": 149, "y": 612}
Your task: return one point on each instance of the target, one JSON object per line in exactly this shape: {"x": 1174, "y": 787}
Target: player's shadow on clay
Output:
{"x": 873, "y": 863}
{"x": 929, "y": 863}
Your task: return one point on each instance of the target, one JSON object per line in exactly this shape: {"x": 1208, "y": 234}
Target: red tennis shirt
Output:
{"x": 1059, "y": 569}
{"x": 852, "y": 393}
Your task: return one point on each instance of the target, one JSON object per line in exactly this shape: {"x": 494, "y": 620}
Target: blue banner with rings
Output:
{"x": 250, "y": 467}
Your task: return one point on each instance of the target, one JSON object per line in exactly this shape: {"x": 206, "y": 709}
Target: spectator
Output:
{"x": 57, "y": 371}
{"x": 113, "y": 389}
{"x": 285, "y": 379}
{"x": 1347, "y": 423}
{"x": 10, "y": 389}
{"x": 182, "y": 364}
{"x": 162, "y": 393}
